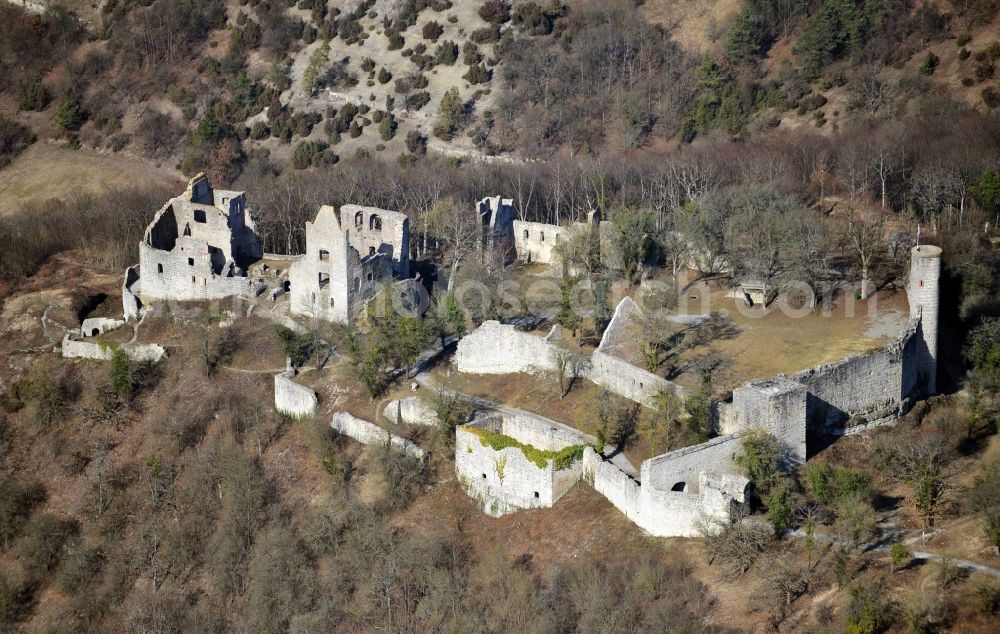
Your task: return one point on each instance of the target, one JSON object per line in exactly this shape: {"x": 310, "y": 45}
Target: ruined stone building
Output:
{"x": 371, "y": 230}
{"x": 496, "y": 217}
{"x": 197, "y": 247}
{"x": 200, "y": 245}
{"x": 345, "y": 260}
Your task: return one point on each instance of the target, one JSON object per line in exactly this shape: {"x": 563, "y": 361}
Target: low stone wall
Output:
{"x": 75, "y": 349}
{"x": 537, "y": 432}
{"x": 625, "y": 379}
{"x": 410, "y": 411}
{"x": 293, "y": 399}
{"x": 370, "y": 434}
{"x": 93, "y": 326}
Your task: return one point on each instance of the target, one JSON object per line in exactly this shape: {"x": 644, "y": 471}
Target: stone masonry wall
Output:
{"x": 505, "y": 480}
{"x": 661, "y": 512}
{"x": 370, "y": 434}
{"x": 779, "y": 406}
{"x": 535, "y": 241}
{"x": 684, "y": 465}
{"x": 496, "y": 348}
{"x": 293, "y": 399}
{"x": 863, "y": 385}
{"x": 72, "y": 348}
{"x": 372, "y": 230}
{"x": 410, "y": 411}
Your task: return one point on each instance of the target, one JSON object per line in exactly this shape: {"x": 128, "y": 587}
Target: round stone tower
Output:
{"x": 924, "y": 294}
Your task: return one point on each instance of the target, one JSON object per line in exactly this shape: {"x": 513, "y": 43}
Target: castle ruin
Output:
{"x": 197, "y": 247}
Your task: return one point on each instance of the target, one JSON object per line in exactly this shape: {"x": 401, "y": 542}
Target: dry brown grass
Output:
{"x": 696, "y": 24}
{"x": 47, "y": 172}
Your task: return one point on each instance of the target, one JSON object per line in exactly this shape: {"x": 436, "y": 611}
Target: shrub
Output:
{"x": 68, "y": 115}
{"x": 780, "y": 504}
{"x": 17, "y": 499}
{"x": 477, "y": 74}
{"x": 930, "y": 63}
{"x": 869, "y": 611}
{"x": 297, "y": 348}
{"x": 33, "y": 96}
{"x": 964, "y": 54}
{"x": 447, "y": 53}
{"x": 991, "y": 97}
{"x": 41, "y": 547}
{"x": 963, "y": 38}
{"x": 734, "y": 546}
{"x": 989, "y": 597}
{"x": 495, "y": 11}
{"x": 416, "y": 143}
{"x": 387, "y": 127}
{"x": 984, "y": 71}
{"x": 128, "y": 376}
{"x": 432, "y": 31}
{"x": 759, "y": 458}
{"x": 14, "y": 139}
{"x": 983, "y": 499}
{"x": 417, "y": 100}
{"x": 15, "y": 604}
{"x": 384, "y": 76}
{"x": 829, "y": 485}
{"x": 899, "y": 554}
{"x": 395, "y": 42}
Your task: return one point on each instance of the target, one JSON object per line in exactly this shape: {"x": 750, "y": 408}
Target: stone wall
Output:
{"x": 93, "y": 326}
{"x": 869, "y": 385}
{"x": 332, "y": 280}
{"x": 779, "y": 406}
{"x": 537, "y": 432}
{"x": 681, "y": 469}
{"x": 75, "y": 349}
{"x": 410, "y": 411}
{"x": 496, "y": 217}
{"x": 504, "y": 480}
{"x": 536, "y": 241}
{"x": 923, "y": 294}
{"x": 625, "y": 379}
{"x": 293, "y": 399}
{"x": 667, "y": 513}
{"x": 131, "y": 288}
{"x": 370, "y": 434}
{"x": 371, "y": 230}
{"x": 186, "y": 274}
{"x": 496, "y": 348}
{"x": 198, "y": 246}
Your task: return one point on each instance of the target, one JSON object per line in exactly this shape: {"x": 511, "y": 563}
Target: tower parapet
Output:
{"x": 923, "y": 293}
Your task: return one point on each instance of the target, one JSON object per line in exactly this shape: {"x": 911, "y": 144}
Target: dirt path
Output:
{"x": 882, "y": 547}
